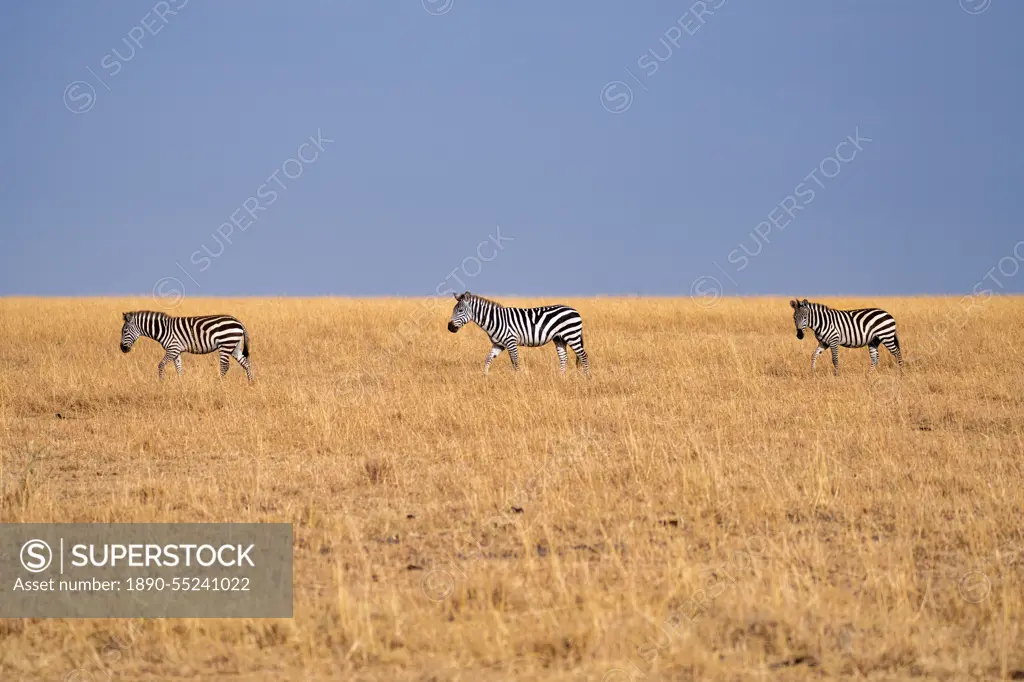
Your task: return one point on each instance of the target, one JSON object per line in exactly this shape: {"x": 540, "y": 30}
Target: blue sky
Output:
{"x": 133, "y": 134}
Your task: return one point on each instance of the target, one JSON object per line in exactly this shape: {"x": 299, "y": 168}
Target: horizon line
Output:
{"x": 509, "y": 295}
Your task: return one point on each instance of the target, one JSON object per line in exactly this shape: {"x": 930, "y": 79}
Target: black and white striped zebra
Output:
{"x": 510, "y": 328}
{"x": 196, "y": 335}
{"x": 833, "y": 328}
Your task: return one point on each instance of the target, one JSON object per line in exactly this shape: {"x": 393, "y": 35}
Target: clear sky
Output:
{"x": 620, "y": 147}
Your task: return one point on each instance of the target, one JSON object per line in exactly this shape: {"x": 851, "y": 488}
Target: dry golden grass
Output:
{"x": 701, "y": 508}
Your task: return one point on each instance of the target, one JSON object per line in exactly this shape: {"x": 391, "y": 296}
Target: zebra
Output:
{"x": 510, "y": 328}
{"x": 869, "y": 327}
{"x": 197, "y": 335}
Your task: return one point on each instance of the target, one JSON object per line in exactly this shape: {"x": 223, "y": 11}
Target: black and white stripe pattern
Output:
{"x": 833, "y": 328}
{"x": 197, "y": 335}
{"x": 510, "y": 328}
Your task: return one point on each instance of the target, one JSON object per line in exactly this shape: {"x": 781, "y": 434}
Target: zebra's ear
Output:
{"x": 792, "y": 303}
{"x": 804, "y": 302}
{"x": 458, "y": 297}
{"x": 125, "y": 316}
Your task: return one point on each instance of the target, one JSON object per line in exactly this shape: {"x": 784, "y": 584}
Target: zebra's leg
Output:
{"x": 581, "y": 355}
{"x": 177, "y": 364}
{"x": 817, "y": 352}
{"x": 563, "y": 357}
{"x": 495, "y": 352}
{"x": 247, "y": 366}
{"x": 513, "y": 355}
{"x": 873, "y": 352}
{"x": 169, "y": 356}
{"x": 243, "y": 360}
{"x": 835, "y": 358}
{"x": 225, "y": 361}
{"x": 893, "y": 345}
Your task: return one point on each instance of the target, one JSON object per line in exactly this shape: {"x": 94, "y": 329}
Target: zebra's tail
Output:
{"x": 245, "y": 344}
{"x": 579, "y": 361}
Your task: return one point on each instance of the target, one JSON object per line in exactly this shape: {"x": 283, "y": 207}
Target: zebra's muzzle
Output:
{"x": 125, "y": 349}
{"x": 452, "y": 328}
{"x": 799, "y": 333}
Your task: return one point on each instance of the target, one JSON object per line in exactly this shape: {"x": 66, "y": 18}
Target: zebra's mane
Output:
{"x": 477, "y": 297}
{"x": 153, "y": 314}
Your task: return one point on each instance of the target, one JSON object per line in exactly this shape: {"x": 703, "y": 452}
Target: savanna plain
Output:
{"x": 702, "y": 508}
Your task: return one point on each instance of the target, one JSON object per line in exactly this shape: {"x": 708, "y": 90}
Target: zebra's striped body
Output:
{"x": 510, "y": 328}
{"x": 833, "y": 328}
{"x": 197, "y": 335}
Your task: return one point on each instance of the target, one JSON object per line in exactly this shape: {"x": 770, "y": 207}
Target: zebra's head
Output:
{"x": 801, "y": 313}
{"x": 130, "y": 332}
{"x": 461, "y": 314}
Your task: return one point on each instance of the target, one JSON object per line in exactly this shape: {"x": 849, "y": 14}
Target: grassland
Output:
{"x": 702, "y": 508}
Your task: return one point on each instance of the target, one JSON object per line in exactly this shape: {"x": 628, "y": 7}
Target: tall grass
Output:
{"x": 702, "y": 508}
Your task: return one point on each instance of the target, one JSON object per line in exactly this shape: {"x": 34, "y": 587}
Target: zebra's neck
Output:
{"x": 154, "y": 326}
{"x": 818, "y": 316}
{"x": 485, "y": 314}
